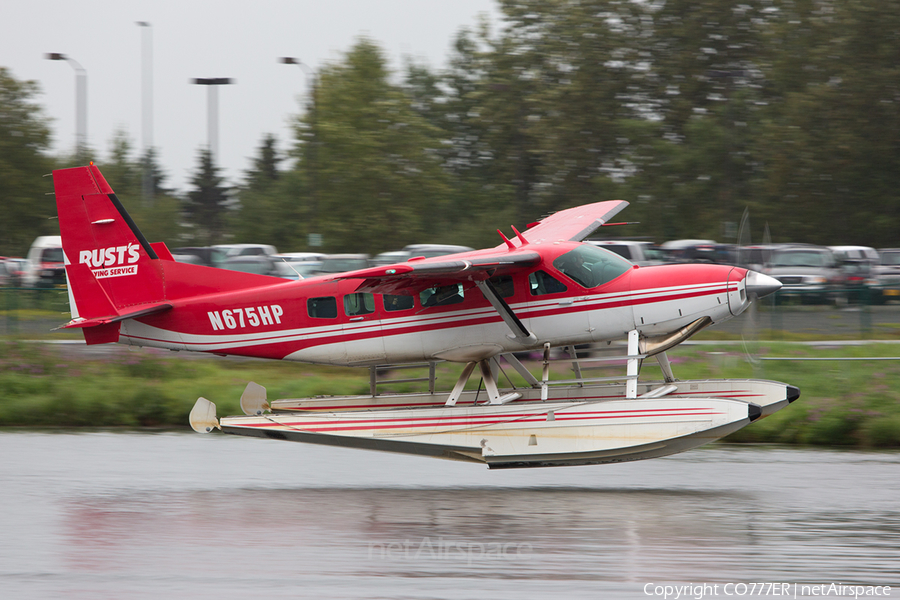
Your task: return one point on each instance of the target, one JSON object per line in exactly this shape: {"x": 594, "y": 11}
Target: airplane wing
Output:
{"x": 414, "y": 276}
{"x": 574, "y": 224}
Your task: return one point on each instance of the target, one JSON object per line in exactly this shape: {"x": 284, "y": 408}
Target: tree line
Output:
{"x": 692, "y": 111}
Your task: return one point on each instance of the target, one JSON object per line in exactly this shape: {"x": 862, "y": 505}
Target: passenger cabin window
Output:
{"x": 392, "y": 303}
{"x": 590, "y": 266}
{"x": 359, "y": 304}
{"x": 322, "y": 308}
{"x": 542, "y": 283}
{"x": 442, "y": 295}
{"x": 504, "y": 285}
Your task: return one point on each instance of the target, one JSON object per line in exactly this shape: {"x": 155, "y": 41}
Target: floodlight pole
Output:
{"x": 212, "y": 110}
{"x": 315, "y": 239}
{"x": 147, "y": 104}
{"x": 80, "y": 102}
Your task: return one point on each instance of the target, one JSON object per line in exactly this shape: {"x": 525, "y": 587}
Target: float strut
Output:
{"x": 634, "y": 364}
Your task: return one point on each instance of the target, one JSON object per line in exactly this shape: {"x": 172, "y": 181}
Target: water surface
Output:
{"x": 127, "y": 515}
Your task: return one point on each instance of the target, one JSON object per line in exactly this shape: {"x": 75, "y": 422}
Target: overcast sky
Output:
{"x": 204, "y": 39}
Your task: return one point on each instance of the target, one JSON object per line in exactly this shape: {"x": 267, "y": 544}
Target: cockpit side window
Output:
{"x": 541, "y": 283}
{"x": 394, "y": 303}
{"x": 358, "y": 304}
{"x": 322, "y": 308}
{"x": 442, "y": 295}
{"x": 590, "y": 266}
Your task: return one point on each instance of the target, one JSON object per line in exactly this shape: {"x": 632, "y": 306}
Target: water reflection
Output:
{"x": 565, "y": 534}
{"x": 150, "y": 516}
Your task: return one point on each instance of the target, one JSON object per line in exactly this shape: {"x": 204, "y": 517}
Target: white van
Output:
{"x": 866, "y": 253}
{"x": 45, "y": 267}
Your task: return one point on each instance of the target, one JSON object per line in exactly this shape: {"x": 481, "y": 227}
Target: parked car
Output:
{"x": 209, "y": 256}
{"x": 754, "y": 257}
{"x": 431, "y": 250}
{"x": 45, "y": 266}
{"x": 293, "y": 257}
{"x": 16, "y": 268}
{"x": 675, "y": 250}
{"x": 297, "y": 269}
{"x": 191, "y": 259}
{"x": 389, "y": 258}
{"x": 723, "y": 254}
{"x": 5, "y": 274}
{"x": 246, "y": 249}
{"x": 703, "y": 251}
{"x": 866, "y": 253}
{"x": 298, "y": 265}
{"x": 808, "y": 271}
{"x": 640, "y": 253}
{"x": 340, "y": 263}
{"x": 858, "y": 275}
{"x": 858, "y": 283}
{"x": 257, "y": 264}
{"x": 887, "y": 272}
{"x": 417, "y": 251}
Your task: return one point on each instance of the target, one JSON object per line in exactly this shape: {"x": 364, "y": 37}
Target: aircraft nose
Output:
{"x": 759, "y": 285}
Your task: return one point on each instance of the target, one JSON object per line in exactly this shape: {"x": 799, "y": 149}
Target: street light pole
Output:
{"x": 212, "y": 110}
{"x": 314, "y": 239}
{"x": 310, "y": 74}
{"x": 80, "y": 103}
{"x": 147, "y": 105}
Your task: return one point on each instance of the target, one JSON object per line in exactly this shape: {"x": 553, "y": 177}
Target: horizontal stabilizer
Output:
{"x": 162, "y": 251}
{"x": 136, "y": 312}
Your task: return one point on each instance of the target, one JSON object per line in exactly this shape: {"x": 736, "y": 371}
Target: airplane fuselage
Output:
{"x": 325, "y": 321}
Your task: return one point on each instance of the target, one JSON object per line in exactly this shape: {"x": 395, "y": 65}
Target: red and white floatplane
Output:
{"x": 541, "y": 291}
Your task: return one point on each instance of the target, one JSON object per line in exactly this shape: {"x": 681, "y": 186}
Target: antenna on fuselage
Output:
{"x": 291, "y": 267}
{"x": 521, "y": 237}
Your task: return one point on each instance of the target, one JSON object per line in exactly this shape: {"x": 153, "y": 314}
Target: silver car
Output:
{"x": 808, "y": 271}
{"x": 887, "y": 271}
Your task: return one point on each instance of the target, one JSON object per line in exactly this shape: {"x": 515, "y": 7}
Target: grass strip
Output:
{"x": 842, "y": 403}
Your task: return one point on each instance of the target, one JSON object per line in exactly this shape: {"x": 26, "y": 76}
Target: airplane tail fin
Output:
{"x": 113, "y": 271}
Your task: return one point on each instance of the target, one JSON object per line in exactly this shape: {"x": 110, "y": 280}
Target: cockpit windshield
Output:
{"x": 590, "y": 266}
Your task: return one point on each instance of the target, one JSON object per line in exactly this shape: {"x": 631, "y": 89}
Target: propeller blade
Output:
{"x": 743, "y": 239}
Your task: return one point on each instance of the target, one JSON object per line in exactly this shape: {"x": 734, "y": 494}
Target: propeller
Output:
{"x": 758, "y": 285}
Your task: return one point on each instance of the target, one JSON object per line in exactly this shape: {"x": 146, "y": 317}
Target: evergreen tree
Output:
{"x": 207, "y": 203}
{"x": 265, "y": 212}
{"x": 24, "y": 138}
{"x": 153, "y": 177}
{"x": 265, "y": 171}
{"x": 372, "y": 173}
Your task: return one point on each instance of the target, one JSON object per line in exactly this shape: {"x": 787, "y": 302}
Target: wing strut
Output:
{"x": 520, "y": 332}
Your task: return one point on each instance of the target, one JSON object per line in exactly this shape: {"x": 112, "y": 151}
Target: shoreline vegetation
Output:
{"x": 843, "y": 403}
